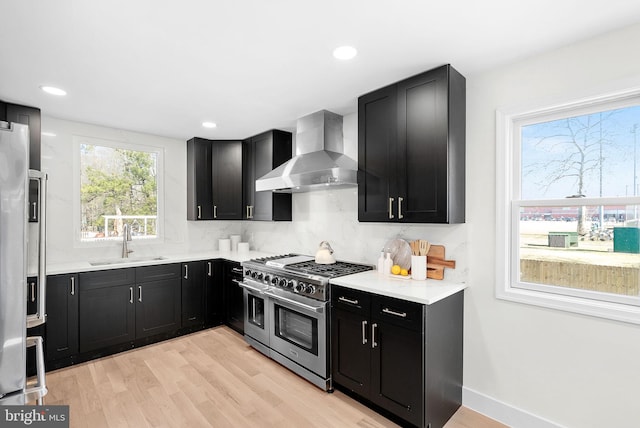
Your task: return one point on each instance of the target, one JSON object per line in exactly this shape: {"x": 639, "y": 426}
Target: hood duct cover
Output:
{"x": 320, "y": 161}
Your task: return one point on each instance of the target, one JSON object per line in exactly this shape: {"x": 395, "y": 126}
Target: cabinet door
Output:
{"x": 106, "y": 316}
{"x": 213, "y": 293}
{"x": 233, "y": 297}
{"x": 199, "y": 184}
{"x": 28, "y": 116}
{"x": 61, "y": 328}
{"x": 193, "y": 302}
{"x": 157, "y": 307}
{"x": 226, "y": 159}
{"x": 397, "y": 377}
{"x": 422, "y": 146}
{"x": 377, "y": 196}
{"x": 351, "y": 351}
{"x": 248, "y": 179}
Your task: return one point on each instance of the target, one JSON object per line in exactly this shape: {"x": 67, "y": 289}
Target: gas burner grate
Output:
{"x": 264, "y": 260}
{"x": 331, "y": 270}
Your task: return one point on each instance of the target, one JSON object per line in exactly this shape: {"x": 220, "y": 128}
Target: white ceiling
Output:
{"x": 165, "y": 66}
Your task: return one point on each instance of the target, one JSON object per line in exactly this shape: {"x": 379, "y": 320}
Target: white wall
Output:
{"x": 575, "y": 370}
{"x": 179, "y": 236}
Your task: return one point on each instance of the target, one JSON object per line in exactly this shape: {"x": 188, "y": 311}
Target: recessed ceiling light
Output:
{"x": 53, "y": 90}
{"x": 209, "y": 124}
{"x": 345, "y": 52}
{"x": 48, "y": 134}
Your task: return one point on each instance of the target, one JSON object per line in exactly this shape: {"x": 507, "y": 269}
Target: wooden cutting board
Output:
{"x": 436, "y": 262}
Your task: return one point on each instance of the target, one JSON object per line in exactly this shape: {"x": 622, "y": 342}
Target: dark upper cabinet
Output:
{"x": 214, "y": 179}
{"x": 193, "y": 301}
{"x": 411, "y": 150}
{"x": 29, "y": 116}
{"x": 61, "y": 328}
{"x": 262, "y": 154}
{"x": 226, "y": 159}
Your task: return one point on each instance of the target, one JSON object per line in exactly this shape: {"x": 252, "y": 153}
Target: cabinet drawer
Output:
{"x": 398, "y": 312}
{"x": 158, "y": 272}
{"x": 351, "y": 300}
{"x": 106, "y": 278}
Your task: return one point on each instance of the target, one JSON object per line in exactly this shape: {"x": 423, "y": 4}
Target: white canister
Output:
{"x": 224, "y": 244}
{"x": 243, "y": 247}
{"x": 419, "y": 267}
{"x": 234, "y": 242}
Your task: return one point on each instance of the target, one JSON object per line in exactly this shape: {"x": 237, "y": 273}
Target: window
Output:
{"x": 118, "y": 185}
{"x": 568, "y": 206}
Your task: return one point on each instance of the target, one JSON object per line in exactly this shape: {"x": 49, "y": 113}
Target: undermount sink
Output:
{"x": 126, "y": 260}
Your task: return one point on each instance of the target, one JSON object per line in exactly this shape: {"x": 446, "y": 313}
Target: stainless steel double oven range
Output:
{"x": 287, "y": 311}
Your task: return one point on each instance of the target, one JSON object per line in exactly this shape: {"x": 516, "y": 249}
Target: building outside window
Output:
{"x": 568, "y": 199}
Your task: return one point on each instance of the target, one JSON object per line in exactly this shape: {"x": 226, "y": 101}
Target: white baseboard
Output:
{"x": 503, "y": 412}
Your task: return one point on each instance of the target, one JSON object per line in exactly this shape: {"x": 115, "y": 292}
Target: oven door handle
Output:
{"x": 248, "y": 287}
{"x": 295, "y": 303}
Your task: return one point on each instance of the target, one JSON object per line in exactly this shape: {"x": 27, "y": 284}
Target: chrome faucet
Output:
{"x": 126, "y": 236}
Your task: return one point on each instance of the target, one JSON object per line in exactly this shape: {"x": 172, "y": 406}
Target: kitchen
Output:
{"x": 519, "y": 367}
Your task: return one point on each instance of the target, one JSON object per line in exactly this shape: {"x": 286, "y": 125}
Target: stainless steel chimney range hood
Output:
{"x": 320, "y": 162}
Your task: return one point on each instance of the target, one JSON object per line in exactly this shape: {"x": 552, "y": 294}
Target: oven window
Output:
{"x": 296, "y": 328}
{"x": 255, "y": 309}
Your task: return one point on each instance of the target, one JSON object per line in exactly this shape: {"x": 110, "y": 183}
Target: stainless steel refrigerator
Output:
{"x": 15, "y": 387}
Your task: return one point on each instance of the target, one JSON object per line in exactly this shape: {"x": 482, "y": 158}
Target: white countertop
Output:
{"x": 86, "y": 266}
{"x": 426, "y": 292}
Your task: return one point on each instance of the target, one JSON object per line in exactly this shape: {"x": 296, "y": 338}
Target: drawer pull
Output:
{"x": 373, "y": 335}
{"x": 398, "y": 314}
{"x": 364, "y": 332}
{"x": 344, "y": 299}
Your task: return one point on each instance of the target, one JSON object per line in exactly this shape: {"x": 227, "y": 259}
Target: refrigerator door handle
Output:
{"x": 39, "y": 390}
{"x": 40, "y": 316}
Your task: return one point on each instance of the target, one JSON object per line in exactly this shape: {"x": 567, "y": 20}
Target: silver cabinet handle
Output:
{"x": 253, "y": 314}
{"x": 364, "y": 332}
{"x": 398, "y": 314}
{"x": 400, "y": 207}
{"x": 35, "y": 210}
{"x": 208, "y": 268}
{"x": 344, "y": 299}
{"x": 186, "y": 271}
{"x": 373, "y": 335}
{"x": 33, "y": 291}
{"x": 139, "y": 293}
{"x": 199, "y": 211}
{"x": 73, "y": 285}
{"x": 130, "y": 294}
{"x": 391, "y": 208}
{"x": 251, "y": 211}
{"x": 215, "y": 211}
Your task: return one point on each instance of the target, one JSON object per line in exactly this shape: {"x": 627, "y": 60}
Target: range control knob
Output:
{"x": 259, "y": 275}
{"x": 290, "y": 284}
{"x": 282, "y": 282}
{"x": 274, "y": 280}
{"x": 267, "y": 278}
{"x": 299, "y": 288}
{"x": 254, "y": 275}
{"x": 310, "y": 289}
{"x": 247, "y": 272}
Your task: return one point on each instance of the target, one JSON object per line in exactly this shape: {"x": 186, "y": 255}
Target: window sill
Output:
{"x": 579, "y": 305}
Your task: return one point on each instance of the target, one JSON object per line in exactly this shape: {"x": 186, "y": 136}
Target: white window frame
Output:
{"x": 508, "y": 123}
{"x": 77, "y": 203}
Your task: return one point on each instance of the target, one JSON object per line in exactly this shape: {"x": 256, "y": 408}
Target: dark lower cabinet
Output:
{"x": 121, "y": 305}
{"x": 61, "y": 327}
{"x": 403, "y": 357}
{"x": 193, "y": 302}
{"x": 233, "y": 298}
{"x": 214, "y": 305}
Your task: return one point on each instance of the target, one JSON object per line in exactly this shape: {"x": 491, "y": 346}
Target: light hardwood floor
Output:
{"x": 208, "y": 379}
